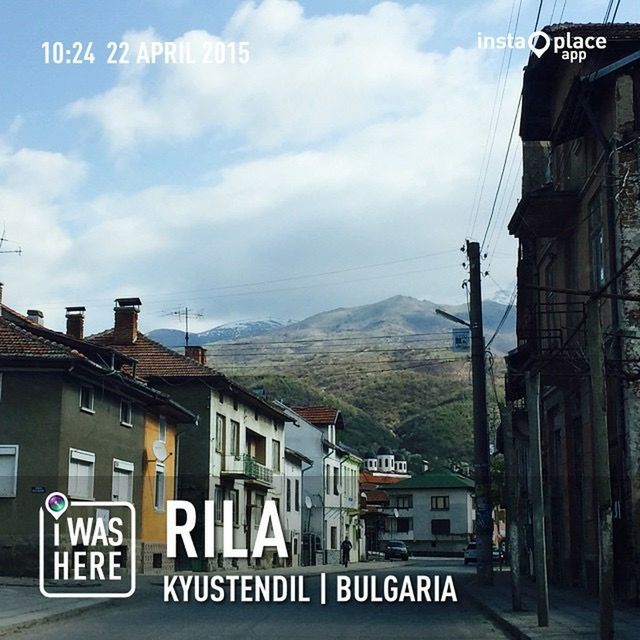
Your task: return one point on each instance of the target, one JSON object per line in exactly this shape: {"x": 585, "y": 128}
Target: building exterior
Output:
{"x": 295, "y": 465}
{"x": 331, "y": 509}
{"x": 578, "y": 229}
{"x": 431, "y": 512}
{"x": 73, "y": 421}
{"x": 386, "y": 463}
{"x": 237, "y": 451}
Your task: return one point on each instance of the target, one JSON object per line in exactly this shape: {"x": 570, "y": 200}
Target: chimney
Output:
{"x": 35, "y": 315}
{"x": 125, "y": 329}
{"x": 197, "y": 353}
{"x": 75, "y": 322}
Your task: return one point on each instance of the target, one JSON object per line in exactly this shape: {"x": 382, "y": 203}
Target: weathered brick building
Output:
{"x": 578, "y": 226}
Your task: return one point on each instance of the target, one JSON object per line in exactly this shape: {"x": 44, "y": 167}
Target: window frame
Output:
{"x": 234, "y": 442}
{"x": 92, "y": 408}
{"x": 221, "y": 432}
{"x": 122, "y": 465}
{"x": 160, "y": 505}
{"x": 276, "y": 455}
{"x": 123, "y": 422}
{"x": 82, "y": 456}
{"x": 16, "y": 455}
{"x": 435, "y": 501}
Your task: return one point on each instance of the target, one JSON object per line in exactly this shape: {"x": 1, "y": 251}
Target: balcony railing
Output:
{"x": 244, "y": 466}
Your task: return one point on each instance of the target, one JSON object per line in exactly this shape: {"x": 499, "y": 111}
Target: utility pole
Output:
{"x": 484, "y": 520}
{"x": 595, "y": 354}
{"x": 537, "y": 497}
{"x": 513, "y": 533}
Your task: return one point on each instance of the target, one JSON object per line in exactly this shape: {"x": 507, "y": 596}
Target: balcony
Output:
{"x": 544, "y": 213}
{"x": 244, "y": 467}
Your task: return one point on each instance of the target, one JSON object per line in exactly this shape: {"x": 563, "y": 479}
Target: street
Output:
{"x": 146, "y": 616}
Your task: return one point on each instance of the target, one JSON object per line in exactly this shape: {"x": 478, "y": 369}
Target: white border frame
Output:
{"x": 67, "y": 594}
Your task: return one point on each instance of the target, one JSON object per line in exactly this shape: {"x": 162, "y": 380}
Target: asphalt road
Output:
{"x": 147, "y": 617}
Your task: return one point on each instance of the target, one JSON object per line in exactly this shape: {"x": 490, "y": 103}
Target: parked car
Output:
{"x": 471, "y": 553}
{"x": 396, "y": 549}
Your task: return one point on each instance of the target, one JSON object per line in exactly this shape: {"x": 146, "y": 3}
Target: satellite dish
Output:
{"x": 159, "y": 449}
{"x": 308, "y": 502}
{"x": 395, "y": 513}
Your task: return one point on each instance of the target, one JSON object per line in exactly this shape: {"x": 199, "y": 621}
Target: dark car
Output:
{"x": 396, "y": 549}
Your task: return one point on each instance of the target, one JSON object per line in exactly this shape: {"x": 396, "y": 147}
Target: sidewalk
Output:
{"x": 22, "y": 605}
{"x": 572, "y": 612}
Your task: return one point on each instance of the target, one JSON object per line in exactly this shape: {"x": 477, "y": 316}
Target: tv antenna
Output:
{"x": 4, "y": 239}
{"x": 185, "y": 313}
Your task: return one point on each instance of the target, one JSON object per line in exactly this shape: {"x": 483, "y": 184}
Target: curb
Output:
{"x": 508, "y": 627}
{"x": 33, "y": 620}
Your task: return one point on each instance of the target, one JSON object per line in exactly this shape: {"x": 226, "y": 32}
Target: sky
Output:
{"x": 345, "y": 162}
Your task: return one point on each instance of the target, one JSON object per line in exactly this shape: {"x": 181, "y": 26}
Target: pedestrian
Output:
{"x": 346, "y": 547}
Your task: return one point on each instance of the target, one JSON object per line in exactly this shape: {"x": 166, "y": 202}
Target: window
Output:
{"x": 234, "y": 496}
{"x": 218, "y": 503}
{"x": 87, "y": 398}
{"x": 404, "y": 502}
{"x": 126, "y": 413}
{"x": 404, "y": 525}
{"x": 288, "y": 494}
{"x": 81, "y": 473}
{"x": 297, "y": 496}
{"x": 235, "y": 438}
{"x": 334, "y": 537}
{"x": 439, "y": 503}
{"x": 336, "y": 481}
{"x": 162, "y": 428}
{"x": 275, "y": 454}
{"x": 122, "y": 483}
{"x": 220, "y": 432}
{"x": 440, "y": 527}
{"x": 8, "y": 470}
{"x": 159, "y": 495}
{"x": 596, "y": 241}
{"x": 327, "y": 475}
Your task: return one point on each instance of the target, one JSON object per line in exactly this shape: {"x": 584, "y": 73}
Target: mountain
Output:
{"x": 224, "y": 332}
{"x": 388, "y": 366}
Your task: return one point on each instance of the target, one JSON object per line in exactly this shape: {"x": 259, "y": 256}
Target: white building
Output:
{"x": 295, "y": 466}
{"x": 431, "y": 512}
{"x": 331, "y": 495}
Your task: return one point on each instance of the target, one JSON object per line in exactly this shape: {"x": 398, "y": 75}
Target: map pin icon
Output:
{"x": 538, "y": 42}
{"x": 56, "y": 504}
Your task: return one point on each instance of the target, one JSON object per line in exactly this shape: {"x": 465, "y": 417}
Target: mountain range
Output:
{"x": 394, "y": 319}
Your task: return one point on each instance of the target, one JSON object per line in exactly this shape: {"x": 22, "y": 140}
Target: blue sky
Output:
{"x": 338, "y": 167}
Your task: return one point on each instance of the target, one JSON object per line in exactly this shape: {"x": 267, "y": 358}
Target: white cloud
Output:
{"x": 366, "y": 148}
{"x": 308, "y": 79}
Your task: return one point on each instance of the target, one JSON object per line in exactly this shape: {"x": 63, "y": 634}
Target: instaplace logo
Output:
{"x": 571, "y": 48}
{"x": 82, "y": 555}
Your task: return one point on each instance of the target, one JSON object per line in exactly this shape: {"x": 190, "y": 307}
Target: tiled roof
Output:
{"x": 436, "y": 479}
{"x": 18, "y": 342}
{"x": 154, "y": 359}
{"x": 368, "y": 478}
{"x": 320, "y": 415}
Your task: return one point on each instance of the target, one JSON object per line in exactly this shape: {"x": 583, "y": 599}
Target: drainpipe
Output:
{"x": 324, "y": 495}
{"x": 302, "y": 527}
